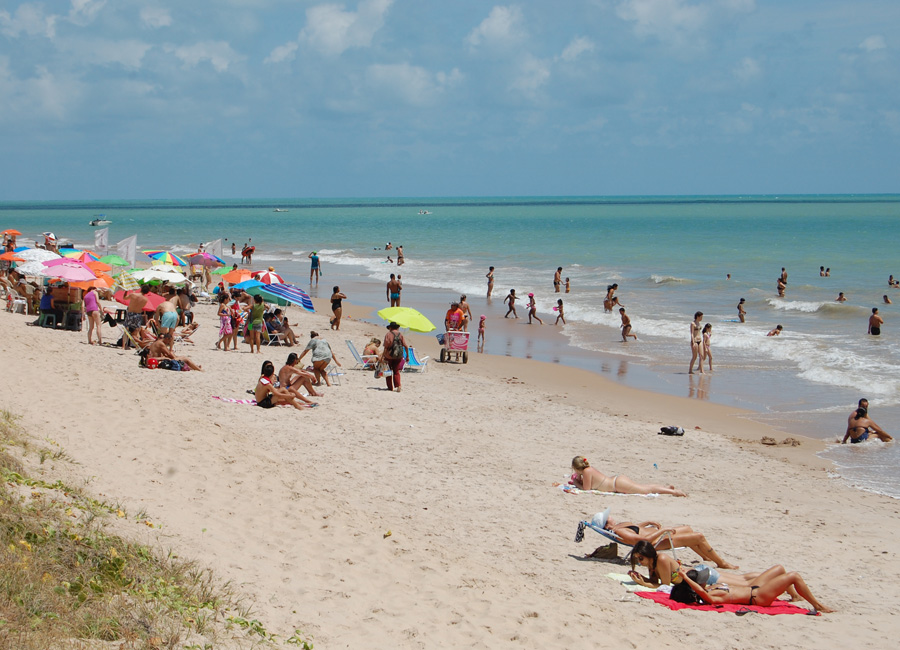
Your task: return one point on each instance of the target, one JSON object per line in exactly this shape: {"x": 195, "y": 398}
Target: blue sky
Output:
{"x": 280, "y": 98}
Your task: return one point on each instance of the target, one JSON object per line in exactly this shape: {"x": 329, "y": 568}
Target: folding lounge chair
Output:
{"x": 414, "y": 363}
{"x": 334, "y": 374}
{"x": 272, "y": 338}
{"x": 363, "y": 362}
{"x": 598, "y": 525}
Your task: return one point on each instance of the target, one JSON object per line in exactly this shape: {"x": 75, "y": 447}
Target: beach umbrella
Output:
{"x": 407, "y": 317}
{"x": 152, "y": 275}
{"x": 154, "y": 300}
{"x": 11, "y": 231}
{"x": 221, "y": 270}
{"x": 246, "y": 285}
{"x": 98, "y": 266}
{"x": 164, "y": 267}
{"x": 289, "y": 292}
{"x": 238, "y": 275}
{"x": 115, "y": 260}
{"x": 68, "y": 270}
{"x": 49, "y": 236}
{"x": 102, "y": 281}
{"x": 31, "y": 268}
{"x": 269, "y": 277}
{"x": 205, "y": 259}
{"x": 166, "y": 257}
{"x": 11, "y": 257}
{"x": 81, "y": 256}
{"x": 38, "y": 255}
{"x": 127, "y": 282}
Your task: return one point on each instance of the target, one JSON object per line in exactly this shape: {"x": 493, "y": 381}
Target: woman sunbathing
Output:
{"x": 663, "y": 570}
{"x": 663, "y": 537}
{"x": 769, "y": 585}
{"x": 589, "y": 478}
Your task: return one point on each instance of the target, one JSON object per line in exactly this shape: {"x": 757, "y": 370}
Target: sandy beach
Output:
{"x": 295, "y": 507}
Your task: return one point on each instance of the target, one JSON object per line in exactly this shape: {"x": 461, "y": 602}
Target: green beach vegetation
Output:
{"x": 70, "y": 576}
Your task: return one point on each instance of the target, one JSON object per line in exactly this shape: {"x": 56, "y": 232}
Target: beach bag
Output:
{"x": 383, "y": 370}
{"x": 397, "y": 346}
{"x": 671, "y": 431}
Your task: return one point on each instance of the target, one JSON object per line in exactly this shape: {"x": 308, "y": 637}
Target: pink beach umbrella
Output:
{"x": 68, "y": 270}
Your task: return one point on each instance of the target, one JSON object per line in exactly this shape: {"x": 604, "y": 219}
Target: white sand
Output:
{"x": 293, "y": 507}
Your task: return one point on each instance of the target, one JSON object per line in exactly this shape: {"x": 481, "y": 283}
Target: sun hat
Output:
{"x": 483, "y": 317}
{"x": 601, "y": 518}
{"x": 531, "y": 295}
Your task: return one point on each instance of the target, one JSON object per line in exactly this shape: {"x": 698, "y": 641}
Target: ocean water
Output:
{"x": 669, "y": 255}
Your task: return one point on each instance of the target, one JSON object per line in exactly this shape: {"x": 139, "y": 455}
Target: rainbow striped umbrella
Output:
{"x": 81, "y": 256}
{"x": 166, "y": 257}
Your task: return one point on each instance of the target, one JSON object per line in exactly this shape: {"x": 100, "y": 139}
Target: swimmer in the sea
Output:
{"x": 875, "y": 322}
{"x": 776, "y": 332}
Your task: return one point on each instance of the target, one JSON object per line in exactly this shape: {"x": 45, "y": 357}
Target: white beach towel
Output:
{"x": 571, "y": 489}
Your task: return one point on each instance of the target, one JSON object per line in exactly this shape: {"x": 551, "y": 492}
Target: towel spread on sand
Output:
{"x": 630, "y": 585}
{"x": 252, "y": 402}
{"x": 778, "y": 607}
{"x": 571, "y": 489}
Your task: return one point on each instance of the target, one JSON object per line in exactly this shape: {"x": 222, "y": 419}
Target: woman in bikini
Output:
{"x": 590, "y": 478}
{"x": 696, "y": 343}
{"x": 769, "y": 585}
{"x": 611, "y": 299}
{"x": 663, "y": 538}
{"x": 267, "y": 395}
{"x": 663, "y": 570}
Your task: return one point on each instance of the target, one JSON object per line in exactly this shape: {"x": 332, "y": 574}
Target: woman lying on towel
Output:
{"x": 590, "y": 478}
{"x": 664, "y": 570}
{"x": 662, "y": 537}
{"x": 768, "y": 586}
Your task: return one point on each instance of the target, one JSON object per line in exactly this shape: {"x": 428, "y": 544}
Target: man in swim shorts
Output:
{"x": 875, "y": 322}
{"x": 557, "y": 280}
{"x": 167, "y": 314}
{"x": 393, "y": 290}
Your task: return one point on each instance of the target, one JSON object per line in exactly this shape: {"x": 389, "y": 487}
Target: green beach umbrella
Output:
{"x": 222, "y": 270}
{"x": 114, "y": 260}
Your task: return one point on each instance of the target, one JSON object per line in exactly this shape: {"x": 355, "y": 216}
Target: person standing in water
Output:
{"x": 511, "y": 299}
{"x": 314, "y": 267}
{"x": 707, "y": 350}
{"x": 490, "y": 281}
{"x": 557, "y": 280}
{"x": 875, "y": 322}
{"x": 560, "y": 316}
{"x": 741, "y": 312}
{"x": 696, "y": 342}
{"x": 532, "y": 309}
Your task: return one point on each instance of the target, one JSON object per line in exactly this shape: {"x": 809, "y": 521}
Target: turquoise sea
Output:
{"x": 669, "y": 255}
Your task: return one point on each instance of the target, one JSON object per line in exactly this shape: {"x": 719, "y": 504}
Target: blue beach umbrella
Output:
{"x": 289, "y": 292}
{"x": 246, "y": 285}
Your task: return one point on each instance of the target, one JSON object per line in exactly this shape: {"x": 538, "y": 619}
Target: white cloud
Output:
{"x": 218, "y": 53}
{"x": 83, "y": 12}
{"x": 533, "y": 73}
{"x": 503, "y": 26}
{"x": 873, "y": 43}
{"x": 284, "y": 52}
{"x": 331, "y": 30}
{"x": 28, "y": 19}
{"x": 128, "y": 54}
{"x": 668, "y": 20}
{"x": 156, "y": 17}
{"x": 414, "y": 84}
{"x": 747, "y": 70}
{"x": 576, "y": 48}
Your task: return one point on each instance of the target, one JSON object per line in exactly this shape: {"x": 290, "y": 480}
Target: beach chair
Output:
{"x": 334, "y": 374}
{"x": 414, "y": 363}
{"x": 272, "y": 338}
{"x": 598, "y": 525}
{"x": 363, "y": 362}
{"x": 16, "y": 302}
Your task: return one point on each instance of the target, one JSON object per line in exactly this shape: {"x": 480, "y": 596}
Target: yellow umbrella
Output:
{"x": 407, "y": 317}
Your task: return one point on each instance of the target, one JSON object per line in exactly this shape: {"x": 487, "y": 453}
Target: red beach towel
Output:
{"x": 778, "y": 607}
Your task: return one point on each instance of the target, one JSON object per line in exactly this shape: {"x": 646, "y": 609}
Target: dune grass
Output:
{"x": 68, "y": 581}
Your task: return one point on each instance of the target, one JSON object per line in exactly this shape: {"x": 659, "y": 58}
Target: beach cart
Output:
{"x": 456, "y": 346}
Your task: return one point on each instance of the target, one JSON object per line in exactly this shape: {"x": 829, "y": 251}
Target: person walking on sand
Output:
{"x": 91, "y": 308}
{"x": 481, "y": 332}
{"x": 560, "y": 316}
{"x": 392, "y": 291}
{"x": 490, "y": 281}
{"x": 557, "y": 280}
{"x": 336, "y": 307}
{"x": 875, "y": 322}
{"x": 707, "y": 350}
{"x": 532, "y": 309}
{"x": 511, "y": 299}
{"x": 315, "y": 267}
{"x": 742, "y": 313}
{"x": 395, "y": 350}
{"x": 696, "y": 343}
{"x": 626, "y": 326}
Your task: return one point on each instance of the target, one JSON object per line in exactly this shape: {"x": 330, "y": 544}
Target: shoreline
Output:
{"x": 295, "y": 507}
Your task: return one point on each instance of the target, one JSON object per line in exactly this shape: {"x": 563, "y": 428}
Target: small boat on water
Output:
{"x": 424, "y": 212}
{"x": 100, "y": 220}
{"x": 279, "y": 210}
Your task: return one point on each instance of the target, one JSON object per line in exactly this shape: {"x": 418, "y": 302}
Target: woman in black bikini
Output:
{"x": 336, "y": 308}
{"x": 267, "y": 395}
{"x": 769, "y": 586}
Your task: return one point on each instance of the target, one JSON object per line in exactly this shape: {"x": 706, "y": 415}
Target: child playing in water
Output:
{"x": 481, "y": 329}
{"x": 559, "y": 308}
{"x": 567, "y": 285}
{"x": 511, "y": 299}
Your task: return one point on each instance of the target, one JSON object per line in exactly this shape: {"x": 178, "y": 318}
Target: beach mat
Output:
{"x": 630, "y": 585}
{"x": 778, "y": 607}
{"x": 252, "y": 402}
